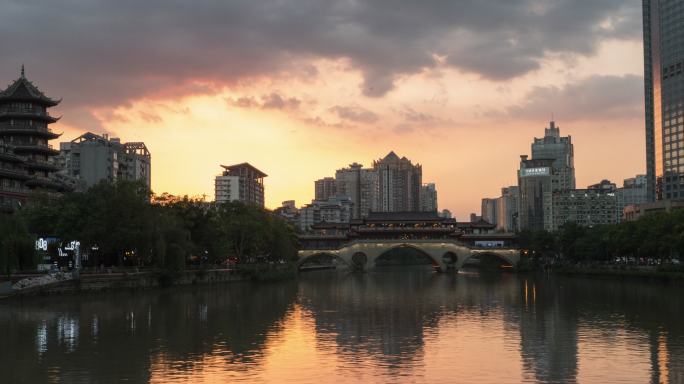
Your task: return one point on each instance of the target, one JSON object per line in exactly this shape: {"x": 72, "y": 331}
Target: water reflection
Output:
{"x": 397, "y": 324}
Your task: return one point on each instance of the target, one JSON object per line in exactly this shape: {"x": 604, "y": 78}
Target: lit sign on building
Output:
{"x": 538, "y": 171}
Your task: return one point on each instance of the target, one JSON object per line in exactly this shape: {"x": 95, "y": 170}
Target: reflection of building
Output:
{"x": 561, "y": 150}
{"x": 240, "y": 182}
{"x": 27, "y": 157}
{"x": 92, "y": 158}
{"x": 664, "y": 97}
{"x": 548, "y": 333}
{"x": 428, "y": 198}
{"x": 399, "y": 184}
{"x": 360, "y": 185}
{"x": 325, "y": 188}
{"x": 536, "y": 184}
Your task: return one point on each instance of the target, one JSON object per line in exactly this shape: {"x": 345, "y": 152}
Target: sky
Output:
{"x": 300, "y": 88}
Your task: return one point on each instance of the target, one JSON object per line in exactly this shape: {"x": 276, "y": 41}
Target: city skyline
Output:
{"x": 466, "y": 123}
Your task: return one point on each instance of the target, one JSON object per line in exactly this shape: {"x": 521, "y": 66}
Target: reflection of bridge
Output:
{"x": 444, "y": 253}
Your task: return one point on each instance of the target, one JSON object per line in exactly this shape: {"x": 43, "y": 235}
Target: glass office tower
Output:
{"x": 664, "y": 96}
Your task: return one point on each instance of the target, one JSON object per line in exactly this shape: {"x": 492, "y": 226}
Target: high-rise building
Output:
{"x": 664, "y": 98}
{"x": 428, "y": 198}
{"x": 91, "y": 158}
{"x": 561, "y": 150}
{"x": 240, "y": 182}
{"x": 325, "y": 188}
{"x": 585, "y": 207}
{"x": 488, "y": 211}
{"x": 399, "y": 184}
{"x": 507, "y": 209}
{"x": 27, "y": 157}
{"x": 361, "y": 186}
{"x": 536, "y": 185}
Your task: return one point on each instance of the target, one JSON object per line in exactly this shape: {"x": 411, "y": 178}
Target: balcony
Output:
{"x": 35, "y": 148}
{"x": 42, "y": 182}
{"x": 26, "y": 113}
{"x": 13, "y": 174}
{"x": 30, "y": 130}
{"x": 41, "y": 165}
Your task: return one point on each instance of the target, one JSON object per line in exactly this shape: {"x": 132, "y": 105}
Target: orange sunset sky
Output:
{"x": 300, "y": 88}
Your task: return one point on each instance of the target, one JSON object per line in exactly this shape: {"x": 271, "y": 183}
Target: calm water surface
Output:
{"x": 398, "y": 325}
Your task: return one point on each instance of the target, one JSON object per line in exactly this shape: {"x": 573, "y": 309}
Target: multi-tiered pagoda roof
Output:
{"x": 25, "y": 134}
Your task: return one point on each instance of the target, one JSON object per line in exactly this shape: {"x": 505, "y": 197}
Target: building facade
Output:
{"x": 637, "y": 211}
{"x": 561, "y": 150}
{"x": 489, "y": 210}
{"x": 337, "y": 210}
{"x": 26, "y": 156}
{"x": 361, "y": 186}
{"x": 240, "y": 182}
{"x": 507, "y": 208}
{"x": 399, "y": 183}
{"x": 428, "y": 198}
{"x": 325, "y": 188}
{"x": 288, "y": 211}
{"x": 634, "y": 191}
{"x": 92, "y": 158}
{"x": 664, "y": 98}
{"x": 536, "y": 183}
{"x": 584, "y": 207}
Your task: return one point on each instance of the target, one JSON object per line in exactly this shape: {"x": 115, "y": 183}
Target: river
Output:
{"x": 402, "y": 324}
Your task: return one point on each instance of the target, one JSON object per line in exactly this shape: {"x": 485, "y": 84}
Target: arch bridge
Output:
{"x": 444, "y": 253}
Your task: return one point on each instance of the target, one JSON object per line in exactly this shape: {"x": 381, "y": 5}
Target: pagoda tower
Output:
{"x": 24, "y": 128}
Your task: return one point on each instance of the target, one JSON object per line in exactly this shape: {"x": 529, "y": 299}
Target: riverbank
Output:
{"x": 139, "y": 280}
{"x": 669, "y": 273}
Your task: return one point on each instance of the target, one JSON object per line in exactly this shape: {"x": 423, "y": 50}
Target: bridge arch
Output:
{"x": 443, "y": 253}
{"x": 359, "y": 260}
{"x": 407, "y": 247}
{"x": 450, "y": 258}
{"x": 322, "y": 254}
{"x": 488, "y": 256}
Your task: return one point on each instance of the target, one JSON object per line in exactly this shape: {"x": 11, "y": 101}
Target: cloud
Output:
{"x": 413, "y": 116}
{"x": 595, "y": 97}
{"x": 270, "y": 101}
{"x": 354, "y": 114}
{"x": 275, "y": 101}
{"x": 100, "y": 53}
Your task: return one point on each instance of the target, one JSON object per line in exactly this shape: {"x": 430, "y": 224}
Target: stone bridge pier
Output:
{"x": 444, "y": 254}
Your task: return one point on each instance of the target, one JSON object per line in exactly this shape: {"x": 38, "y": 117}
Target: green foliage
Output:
{"x": 16, "y": 245}
{"x": 122, "y": 219}
{"x": 653, "y": 236}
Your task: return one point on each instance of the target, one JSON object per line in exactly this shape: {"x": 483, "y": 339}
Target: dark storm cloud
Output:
{"x": 596, "y": 97}
{"x": 104, "y": 53}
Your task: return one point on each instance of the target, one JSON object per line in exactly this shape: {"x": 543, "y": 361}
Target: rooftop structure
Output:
{"x": 240, "y": 182}
{"x": 91, "y": 158}
{"x": 25, "y": 133}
